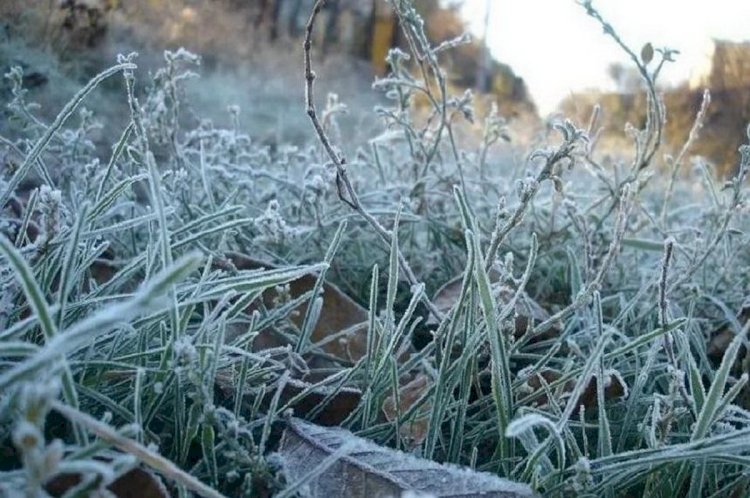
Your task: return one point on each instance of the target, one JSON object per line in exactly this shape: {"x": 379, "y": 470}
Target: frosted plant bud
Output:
{"x": 317, "y": 183}
{"x": 233, "y": 110}
{"x": 50, "y": 207}
{"x": 570, "y": 206}
{"x": 465, "y": 105}
{"x": 282, "y": 295}
{"x": 271, "y": 224}
{"x": 582, "y": 478}
{"x": 35, "y": 398}
{"x": 27, "y": 436}
{"x": 631, "y": 130}
{"x": 92, "y": 169}
{"x": 508, "y": 262}
{"x": 53, "y": 455}
{"x": 647, "y": 53}
{"x": 526, "y": 187}
{"x": 184, "y": 352}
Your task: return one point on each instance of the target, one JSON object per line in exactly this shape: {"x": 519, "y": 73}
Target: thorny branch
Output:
{"x": 346, "y": 190}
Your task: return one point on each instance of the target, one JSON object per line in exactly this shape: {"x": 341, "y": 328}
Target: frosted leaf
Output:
{"x": 366, "y": 469}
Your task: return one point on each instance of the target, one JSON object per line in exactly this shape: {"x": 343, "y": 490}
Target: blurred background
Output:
{"x": 534, "y": 59}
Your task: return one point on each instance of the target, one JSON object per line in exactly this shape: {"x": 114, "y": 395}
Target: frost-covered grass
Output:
{"x": 125, "y": 332}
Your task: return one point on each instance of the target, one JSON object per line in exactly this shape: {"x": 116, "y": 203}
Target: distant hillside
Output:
{"x": 226, "y": 32}
{"x": 726, "y": 75}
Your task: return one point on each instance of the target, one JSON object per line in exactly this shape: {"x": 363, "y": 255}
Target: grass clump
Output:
{"x": 128, "y": 332}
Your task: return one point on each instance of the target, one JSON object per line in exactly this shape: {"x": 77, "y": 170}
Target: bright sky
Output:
{"x": 559, "y": 49}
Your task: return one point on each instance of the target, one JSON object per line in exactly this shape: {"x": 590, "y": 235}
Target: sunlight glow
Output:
{"x": 557, "y": 49}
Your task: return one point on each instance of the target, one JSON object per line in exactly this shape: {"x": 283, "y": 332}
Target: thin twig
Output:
{"x": 550, "y": 161}
{"x": 700, "y": 118}
{"x": 346, "y": 190}
{"x": 654, "y": 111}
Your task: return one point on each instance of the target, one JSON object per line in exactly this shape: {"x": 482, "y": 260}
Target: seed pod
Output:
{"x": 647, "y": 53}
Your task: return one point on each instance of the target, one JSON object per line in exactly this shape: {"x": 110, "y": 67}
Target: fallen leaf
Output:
{"x": 136, "y": 483}
{"x": 313, "y": 395}
{"x": 613, "y": 389}
{"x": 339, "y": 313}
{"x": 362, "y": 468}
{"x": 722, "y": 337}
{"x": 339, "y": 402}
{"x": 717, "y": 345}
{"x": 414, "y": 431}
{"x": 527, "y": 310}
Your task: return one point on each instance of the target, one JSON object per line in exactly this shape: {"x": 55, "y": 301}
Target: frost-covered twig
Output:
{"x": 345, "y": 189}
{"x": 655, "y": 114}
{"x": 736, "y": 201}
{"x": 700, "y": 118}
{"x": 529, "y": 188}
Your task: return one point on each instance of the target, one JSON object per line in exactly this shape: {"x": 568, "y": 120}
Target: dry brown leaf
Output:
{"x": 323, "y": 404}
{"x": 136, "y": 483}
{"x": 366, "y": 469}
{"x": 414, "y": 431}
{"x": 717, "y": 346}
{"x": 613, "y": 389}
{"x": 526, "y": 308}
{"x": 339, "y": 313}
{"x": 722, "y": 337}
{"x": 647, "y": 53}
{"x": 339, "y": 402}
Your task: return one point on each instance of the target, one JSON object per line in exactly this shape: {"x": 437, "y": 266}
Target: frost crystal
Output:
{"x": 51, "y": 209}
{"x": 271, "y": 225}
{"x": 184, "y": 353}
{"x": 582, "y": 479}
{"x": 525, "y": 188}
